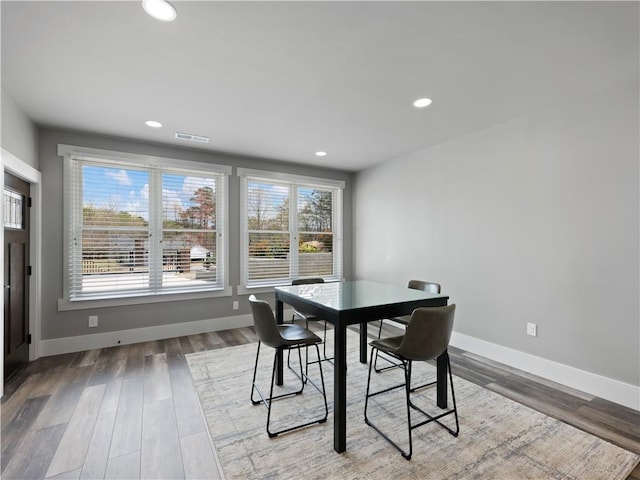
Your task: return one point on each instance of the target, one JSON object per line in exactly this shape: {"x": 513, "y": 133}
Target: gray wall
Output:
{"x": 71, "y": 323}
{"x": 19, "y": 134}
{"x": 534, "y": 220}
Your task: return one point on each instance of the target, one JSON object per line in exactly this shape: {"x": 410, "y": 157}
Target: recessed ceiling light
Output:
{"x": 422, "y": 102}
{"x": 160, "y": 10}
{"x": 153, "y": 123}
{"x": 320, "y": 154}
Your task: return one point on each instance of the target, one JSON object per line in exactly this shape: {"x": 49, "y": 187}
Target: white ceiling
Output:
{"x": 281, "y": 80}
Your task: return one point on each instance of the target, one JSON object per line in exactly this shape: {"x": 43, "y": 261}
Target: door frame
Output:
{"x": 21, "y": 169}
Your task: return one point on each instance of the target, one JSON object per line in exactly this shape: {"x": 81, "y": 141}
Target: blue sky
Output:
{"x": 128, "y": 190}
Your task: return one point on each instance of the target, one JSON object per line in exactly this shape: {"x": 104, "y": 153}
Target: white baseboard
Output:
{"x": 607, "y": 388}
{"x": 81, "y": 343}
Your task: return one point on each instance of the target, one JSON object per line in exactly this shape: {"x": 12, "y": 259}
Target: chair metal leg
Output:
{"x": 428, "y": 384}
{"x": 307, "y": 361}
{"x": 436, "y": 418}
{"x": 324, "y": 394}
{"x": 271, "y": 397}
{"x": 388, "y": 367}
{"x": 407, "y": 387}
{"x": 324, "y": 343}
{"x": 324, "y": 346}
{"x": 268, "y": 401}
{"x": 306, "y": 354}
{"x": 264, "y": 400}
{"x": 366, "y": 395}
{"x": 383, "y": 357}
{"x": 255, "y": 370}
{"x": 453, "y": 397}
{"x": 405, "y": 454}
{"x": 407, "y": 366}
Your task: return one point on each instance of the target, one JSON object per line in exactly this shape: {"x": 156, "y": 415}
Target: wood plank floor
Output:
{"x": 131, "y": 411}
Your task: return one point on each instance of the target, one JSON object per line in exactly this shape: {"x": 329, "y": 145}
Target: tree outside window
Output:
{"x": 272, "y": 227}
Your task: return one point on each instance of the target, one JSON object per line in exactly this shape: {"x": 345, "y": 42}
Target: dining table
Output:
{"x": 355, "y": 303}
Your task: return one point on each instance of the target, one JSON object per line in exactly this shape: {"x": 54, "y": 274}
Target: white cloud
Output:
{"x": 135, "y": 209}
{"x": 121, "y": 176}
{"x": 171, "y": 204}
{"x": 138, "y": 204}
{"x": 191, "y": 184}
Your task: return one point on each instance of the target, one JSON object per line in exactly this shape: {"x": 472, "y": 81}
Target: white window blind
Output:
{"x": 142, "y": 229}
{"x": 291, "y": 228}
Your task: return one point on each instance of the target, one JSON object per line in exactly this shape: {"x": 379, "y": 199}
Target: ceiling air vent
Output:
{"x": 192, "y": 138}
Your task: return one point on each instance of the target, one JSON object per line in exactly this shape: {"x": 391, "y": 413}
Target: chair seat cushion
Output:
{"x": 389, "y": 345}
{"x": 296, "y": 334}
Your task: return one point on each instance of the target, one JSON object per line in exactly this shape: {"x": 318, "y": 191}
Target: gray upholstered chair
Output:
{"x": 311, "y": 318}
{"x": 404, "y": 320}
{"x": 426, "y": 338}
{"x": 280, "y": 338}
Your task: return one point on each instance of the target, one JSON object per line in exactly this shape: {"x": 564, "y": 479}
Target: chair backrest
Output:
{"x": 428, "y": 333}
{"x": 424, "y": 286}
{"x": 265, "y": 323}
{"x": 307, "y": 281}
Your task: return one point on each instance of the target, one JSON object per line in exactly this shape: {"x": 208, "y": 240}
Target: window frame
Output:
{"x": 294, "y": 182}
{"x": 156, "y": 166}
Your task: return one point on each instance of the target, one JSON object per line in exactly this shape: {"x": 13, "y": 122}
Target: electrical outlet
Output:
{"x": 236, "y": 305}
{"x": 93, "y": 320}
{"x": 532, "y": 329}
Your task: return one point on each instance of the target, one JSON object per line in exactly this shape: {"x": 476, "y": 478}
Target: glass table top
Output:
{"x": 356, "y": 294}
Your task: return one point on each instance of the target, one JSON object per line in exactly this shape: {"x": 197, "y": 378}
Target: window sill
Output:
{"x": 66, "y": 305}
{"x": 242, "y": 290}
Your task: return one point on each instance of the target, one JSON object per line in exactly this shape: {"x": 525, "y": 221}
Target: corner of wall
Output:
{"x": 18, "y": 133}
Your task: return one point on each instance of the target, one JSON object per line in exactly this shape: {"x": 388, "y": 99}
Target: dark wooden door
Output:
{"x": 16, "y": 279}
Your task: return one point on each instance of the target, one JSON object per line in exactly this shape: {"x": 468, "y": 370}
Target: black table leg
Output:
{"x": 441, "y": 393}
{"x": 340, "y": 388}
{"x": 363, "y": 342}
{"x": 279, "y": 354}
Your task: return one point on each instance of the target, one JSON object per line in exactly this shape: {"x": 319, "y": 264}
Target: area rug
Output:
{"x": 499, "y": 438}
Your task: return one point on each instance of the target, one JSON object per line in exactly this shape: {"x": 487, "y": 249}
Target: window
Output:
{"x": 280, "y": 211}
{"x": 140, "y": 226}
{"x": 13, "y": 209}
